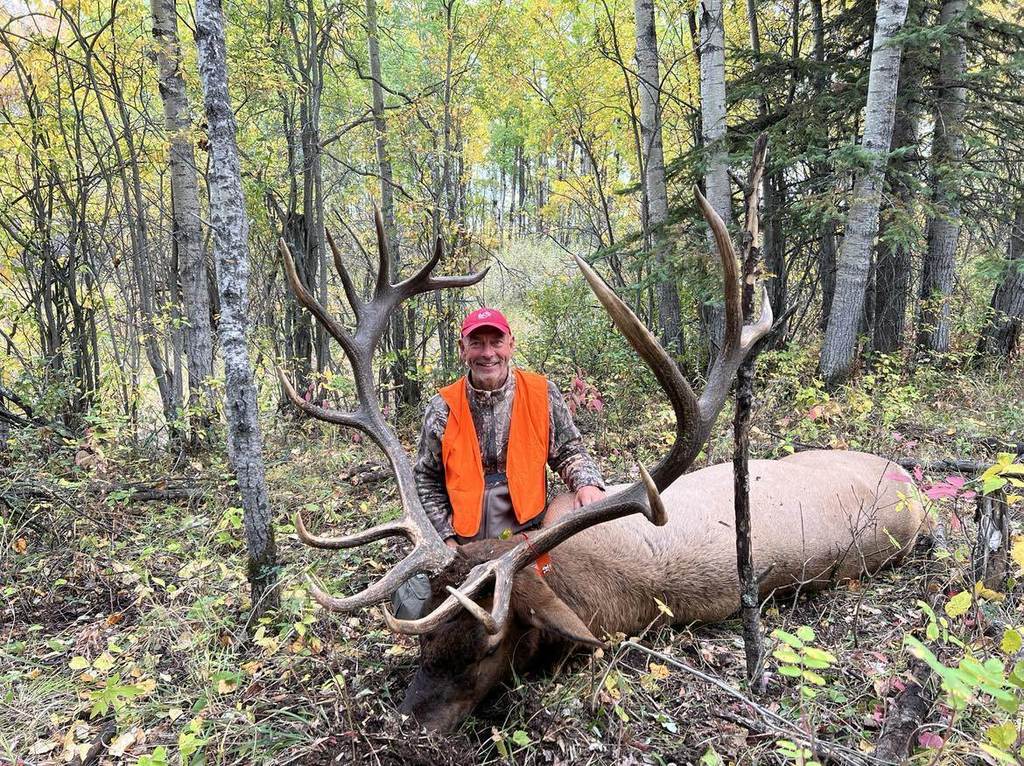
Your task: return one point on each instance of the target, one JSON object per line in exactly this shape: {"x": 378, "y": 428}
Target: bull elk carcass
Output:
{"x": 817, "y": 518}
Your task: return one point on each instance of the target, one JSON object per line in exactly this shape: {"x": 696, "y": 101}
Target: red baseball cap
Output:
{"x": 485, "y": 317}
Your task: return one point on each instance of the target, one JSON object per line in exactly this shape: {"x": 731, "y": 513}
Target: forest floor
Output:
{"x": 123, "y": 636}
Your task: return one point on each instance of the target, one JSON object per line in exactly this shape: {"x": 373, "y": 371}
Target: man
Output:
{"x": 480, "y": 470}
{"x": 487, "y": 437}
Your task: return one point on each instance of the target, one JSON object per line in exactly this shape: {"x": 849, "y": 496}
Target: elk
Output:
{"x": 817, "y": 517}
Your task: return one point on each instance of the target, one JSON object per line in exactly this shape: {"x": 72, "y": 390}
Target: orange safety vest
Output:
{"x": 525, "y": 462}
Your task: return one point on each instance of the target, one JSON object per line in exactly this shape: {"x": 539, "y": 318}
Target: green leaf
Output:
{"x": 711, "y": 758}
{"x": 788, "y": 638}
{"x": 959, "y": 604}
{"x": 520, "y": 738}
{"x": 999, "y": 755}
{"x": 820, "y": 655}
{"x": 785, "y": 654}
{"x": 814, "y": 678}
{"x": 990, "y": 485}
{"x": 804, "y": 633}
{"x": 790, "y": 670}
{"x": 78, "y": 663}
{"x": 1002, "y": 736}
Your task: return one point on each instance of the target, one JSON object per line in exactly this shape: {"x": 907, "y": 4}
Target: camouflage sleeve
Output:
{"x": 566, "y": 453}
{"x": 429, "y": 469}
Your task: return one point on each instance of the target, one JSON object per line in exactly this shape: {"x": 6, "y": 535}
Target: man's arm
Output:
{"x": 566, "y": 453}
{"x": 429, "y": 469}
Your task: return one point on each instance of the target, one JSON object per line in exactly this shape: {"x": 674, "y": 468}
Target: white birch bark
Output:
{"x": 230, "y": 227}
{"x": 854, "y": 262}
{"x": 649, "y": 88}
{"x": 713, "y": 130}
{"x": 185, "y": 211}
{"x": 947, "y": 154}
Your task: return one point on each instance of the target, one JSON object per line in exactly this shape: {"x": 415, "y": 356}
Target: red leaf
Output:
{"x": 929, "y": 740}
{"x": 918, "y": 473}
{"x": 955, "y": 481}
{"x": 898, "y": 476}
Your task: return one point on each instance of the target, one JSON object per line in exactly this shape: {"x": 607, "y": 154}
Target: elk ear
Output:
{"x": 537, "y": 605}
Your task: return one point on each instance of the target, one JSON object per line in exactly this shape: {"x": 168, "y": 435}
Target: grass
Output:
{"x": 127, "y": 617}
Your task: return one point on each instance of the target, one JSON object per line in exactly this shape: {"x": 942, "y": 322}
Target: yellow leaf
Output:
{"x": 658, "y": 671}
{"x": 987, "y": 593}
{"x": 104, "y": 662}
{"x": 146, "y": 685}
{"x": 1017, "y": 551}
{"x": 20, "y": 545}
{"x": 1011, "y": 641}
{"x": 663, "y": 608}
{"x": 174, "y": 713}
{"x": 959, "y": 604}
{"x": 227, "y": 685}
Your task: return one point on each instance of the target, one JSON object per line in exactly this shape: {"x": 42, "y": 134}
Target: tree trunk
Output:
{"x": 947, "y": 155}
{"x": 893, "y": 265}
{"x": 230, "y": 228}
{"x": 186, "y": 213}
{"x": 854, "y": 264}
{"x": 713, "y": 124}
{"x": 1001, "y": 335}
{"x": 649, "y": 87}
{"x": 405, "y": 385}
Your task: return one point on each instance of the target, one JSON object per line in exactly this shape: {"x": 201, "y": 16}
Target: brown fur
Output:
{"x": 817, "y": 518}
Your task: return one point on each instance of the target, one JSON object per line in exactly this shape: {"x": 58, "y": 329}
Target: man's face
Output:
{"x": 486, "y": 352}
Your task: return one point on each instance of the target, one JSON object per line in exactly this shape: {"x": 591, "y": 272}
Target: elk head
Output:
{"x": 490, "y": 611}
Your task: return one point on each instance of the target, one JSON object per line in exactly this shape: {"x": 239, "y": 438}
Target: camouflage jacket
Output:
{"x": 492, "y": 415}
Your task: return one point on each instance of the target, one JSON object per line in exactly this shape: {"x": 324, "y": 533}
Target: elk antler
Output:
{"x": 694, "y": 421}
{"x": 429, "y": 553}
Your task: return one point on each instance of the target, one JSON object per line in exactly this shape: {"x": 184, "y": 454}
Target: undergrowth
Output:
{"x": 123, "y": 620}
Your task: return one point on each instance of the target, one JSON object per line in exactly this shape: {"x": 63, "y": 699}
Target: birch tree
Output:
{"x": 947, "y": 155}
{"x": 230, "y": 226}
{"x": 653, "y": 157}
{"x": 854, "y": 262}
{"x": 185, "y": 212}
{"x": 713, "y": 130}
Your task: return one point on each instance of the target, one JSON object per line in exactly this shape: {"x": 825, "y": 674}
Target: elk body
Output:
{"x": 817, "y": 517}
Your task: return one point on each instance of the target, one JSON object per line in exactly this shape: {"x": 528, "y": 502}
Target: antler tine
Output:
{"x": 346, "y": 279}
{"x": 379, "y": 532}
{"x": 312, "y": 304}
{"x": 337, "y": 417}
{"x": 384, "y": 259}
{"x": 420, "y": 559}
{"x": 422, "y": 281}
{"x": 738, "y": 340}
{"x": 680, "y": 394}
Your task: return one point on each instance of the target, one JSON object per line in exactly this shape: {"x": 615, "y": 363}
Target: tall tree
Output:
{"x": 186, "y": 216}
{"x": 1001, "y": 335}
{"x": 947, "y": 155}
{"x": 230, "y": 226}
{"x": 406, "y": 388}
{"x": 897, "y": 228}
{"x": 854, "y": 263}
{"x": 653, "y": 156}
{"x": 713, "y": 131}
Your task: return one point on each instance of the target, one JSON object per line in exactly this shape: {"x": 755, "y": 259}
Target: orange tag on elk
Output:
{"x": 543, "y": 565}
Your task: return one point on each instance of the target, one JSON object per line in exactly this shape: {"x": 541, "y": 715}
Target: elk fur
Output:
{"x": 817, "y": 518}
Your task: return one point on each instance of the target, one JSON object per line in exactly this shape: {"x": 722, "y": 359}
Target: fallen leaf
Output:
{"x": 20, "y": 545}
{"x": 43, "y": 746}
{"x": 120, "y": 745}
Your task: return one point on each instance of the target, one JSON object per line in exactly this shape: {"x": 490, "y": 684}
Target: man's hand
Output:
{"x": 451, "y": 542}
{"x": 587, "y": 495}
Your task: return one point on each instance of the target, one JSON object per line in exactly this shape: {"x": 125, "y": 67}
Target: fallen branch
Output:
{"x": 903, "y": 722}
{"x": 837, "y": 753}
